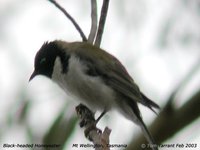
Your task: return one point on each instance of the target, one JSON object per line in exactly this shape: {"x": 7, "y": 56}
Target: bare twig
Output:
{"x": 71, "y": 19}
{"x": 102, "y": 21}
{"x": 99, "y": 139}
{"x": 93, "y": 29}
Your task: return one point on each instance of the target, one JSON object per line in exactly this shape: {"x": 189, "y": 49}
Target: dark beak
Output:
{"x": 33, "y": 75}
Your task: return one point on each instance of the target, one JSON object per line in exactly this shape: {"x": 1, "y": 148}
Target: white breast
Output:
{"x": 90, "y": 90}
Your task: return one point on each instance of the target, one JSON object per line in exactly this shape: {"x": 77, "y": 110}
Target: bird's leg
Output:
{"x": 92, "y": 126}
{"x": 87, "y": 120}
{"x": 85, "y": 114}
{"x": 101, "y": 115}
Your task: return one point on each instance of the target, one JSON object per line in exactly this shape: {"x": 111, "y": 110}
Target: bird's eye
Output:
{"x": 42, "y": 60}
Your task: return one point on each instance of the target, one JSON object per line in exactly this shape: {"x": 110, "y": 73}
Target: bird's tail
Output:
{"x": 147, "y": 134}
{"x": 149, "y": 103}
{"x": 135, "y": 116}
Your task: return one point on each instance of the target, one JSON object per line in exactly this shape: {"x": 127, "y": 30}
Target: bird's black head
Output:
{"x": 45, "y": 58}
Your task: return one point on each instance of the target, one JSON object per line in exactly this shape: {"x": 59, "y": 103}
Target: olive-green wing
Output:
{"x": 113, "y": 73}
{"x": 121, "y": 81}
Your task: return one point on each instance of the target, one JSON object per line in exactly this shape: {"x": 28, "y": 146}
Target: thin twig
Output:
{"x": 102, "y": 21}
{"x": 93, "y": 29}
{"x": 71, "y": 19}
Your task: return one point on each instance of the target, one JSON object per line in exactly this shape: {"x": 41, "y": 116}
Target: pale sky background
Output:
{"x": 158, "y": 41}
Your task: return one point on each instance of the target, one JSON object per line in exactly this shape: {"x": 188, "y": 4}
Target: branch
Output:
{"x": 93, "y": 29}
{"x": 169, "y": 122}
{"x": 102, "y": 21}
{"x": 71, "y": 19}
{"x": 169, "y": 115}
{"x": 184, "y": 82}
{"x": 99, "y": 139}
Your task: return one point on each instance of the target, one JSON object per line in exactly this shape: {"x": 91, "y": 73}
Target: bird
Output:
{"x": 94, "y": 77}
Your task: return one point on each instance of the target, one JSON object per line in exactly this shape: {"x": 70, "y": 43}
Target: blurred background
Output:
{"x": 158, "y": 41}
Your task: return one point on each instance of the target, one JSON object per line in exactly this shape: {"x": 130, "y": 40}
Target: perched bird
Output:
{"x": 93, "y": 76}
